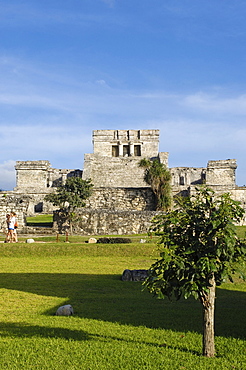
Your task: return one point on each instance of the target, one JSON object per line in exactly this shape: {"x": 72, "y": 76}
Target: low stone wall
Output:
{"x": 106, "y": 222}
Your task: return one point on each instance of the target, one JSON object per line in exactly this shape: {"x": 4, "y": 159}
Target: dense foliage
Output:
{"x": 198, "y": 238}
{"x": 159, "y": 178}
{"x": 199, "y": 247}
{"x": 72, "y": 194}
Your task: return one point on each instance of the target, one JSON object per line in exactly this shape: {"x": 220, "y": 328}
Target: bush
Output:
{"x": 113, "y": 240}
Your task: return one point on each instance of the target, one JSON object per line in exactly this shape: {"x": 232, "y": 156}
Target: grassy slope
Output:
{"x": 116, "y": 325}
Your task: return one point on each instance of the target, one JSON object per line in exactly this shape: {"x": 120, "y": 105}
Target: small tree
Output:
{"x": 199, "y": 250}
{"x": 159, "y": 178}
{"x": 70, "y": 196}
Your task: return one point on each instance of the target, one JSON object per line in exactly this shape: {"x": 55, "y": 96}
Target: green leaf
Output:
{"x": 197, "y": 240}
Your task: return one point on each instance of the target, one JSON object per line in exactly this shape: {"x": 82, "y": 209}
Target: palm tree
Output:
{"x": 159, "y": 178}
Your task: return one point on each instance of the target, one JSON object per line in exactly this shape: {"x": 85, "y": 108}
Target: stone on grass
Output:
{"x": 92, "y": 240}
{"x": 66, "y": 310}
{"x": 30, "y": 241}
{"x": 134, "y": 275}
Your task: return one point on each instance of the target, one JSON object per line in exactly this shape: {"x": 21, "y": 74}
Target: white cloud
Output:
{"x": 214, "y": 103}
{"x": 101, "y": 82}
{"x": 64, "y": 147}
{"x": 110, "y": 3}
{"x": 7, "y": 175}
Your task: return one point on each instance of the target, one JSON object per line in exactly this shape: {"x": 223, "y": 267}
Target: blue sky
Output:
{"x": 73, "y": 66}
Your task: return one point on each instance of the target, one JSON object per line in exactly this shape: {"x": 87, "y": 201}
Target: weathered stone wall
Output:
{"x": 137, "y": 199}
{"x": 37, "y": 204}
{"x": 217, "y": 173}
{"x": 106, "y": 222}
{"x": 119, "y": 222}
{"x": 113, "y": 172}
{"x": 13, "y": 202}
{"x": 146, "y": 140}
{"x": 239, "y": 195}
{"x": 31, "y": 174}
{"x": 116, "y": 156}
{"x": 102, "y": 198}
{"x": 221, "y": 172}
{"x": 186, "y": 176}
{"x": 38, "y": 176}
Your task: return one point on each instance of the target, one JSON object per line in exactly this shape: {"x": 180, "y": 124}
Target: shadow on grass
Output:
{"x": 107, "y": 298}
{"x": 21, "y": 330}
{"x": 26, "y": 331}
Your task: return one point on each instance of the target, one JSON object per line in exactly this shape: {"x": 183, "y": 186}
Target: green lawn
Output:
{"x": 116, "y": 325}
{"x": 39, "y": 218}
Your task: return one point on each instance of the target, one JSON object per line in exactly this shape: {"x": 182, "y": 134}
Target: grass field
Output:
{"x": 39, "y": 219}
{"x": 116, "y": 325}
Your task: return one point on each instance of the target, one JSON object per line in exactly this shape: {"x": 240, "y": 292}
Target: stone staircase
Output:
{"x": 37, "y": 230}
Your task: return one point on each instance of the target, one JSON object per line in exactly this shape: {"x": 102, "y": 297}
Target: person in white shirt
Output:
{"x": 11, "y": 220}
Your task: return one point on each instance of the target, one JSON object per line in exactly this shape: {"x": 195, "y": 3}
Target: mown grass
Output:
{"x": 40, "y": 218}
{"x": 78, "y": 238}
{"x": 40, "y": 221}
{"x": 116, "y": 325}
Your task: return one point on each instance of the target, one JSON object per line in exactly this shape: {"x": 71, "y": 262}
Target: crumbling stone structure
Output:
{"x": 38, "y": 176}
{"x": 121, "y": 203}
{"x": 114, "y": 162}
{"x": 106, "y": 222}
{"x": 37, "y": 179}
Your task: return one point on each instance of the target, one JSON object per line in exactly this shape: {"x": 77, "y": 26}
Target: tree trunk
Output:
{"x": 208, "y": 320}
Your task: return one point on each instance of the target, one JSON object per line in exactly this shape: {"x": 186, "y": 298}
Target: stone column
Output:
{"x": 64, "y": 178}
{"x": 131, "y": 149}
{"x": 187, "y": 178}
{"x": 120, "y": 150}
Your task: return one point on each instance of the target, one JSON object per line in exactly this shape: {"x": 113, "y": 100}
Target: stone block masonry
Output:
{"x": 38, "y": 176}
{"x": 221, "y": 172}
{"x": 117, "y": 153}
{"x": 121, "y": 143}
{"x": 13, "y": 202}
{"x": 138, "y": 199}
{"x": 106, "y": 222}
{"x": 32, "y": 175}
{"x": 113, "y": 172}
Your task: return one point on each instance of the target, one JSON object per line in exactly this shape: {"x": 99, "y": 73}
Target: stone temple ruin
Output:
{"x": 121, "y": 203}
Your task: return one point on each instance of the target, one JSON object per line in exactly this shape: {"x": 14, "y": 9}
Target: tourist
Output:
{"x": 15, "y": 239}
{"x": 7, "y": 233}
{"x": 11, "y": 220}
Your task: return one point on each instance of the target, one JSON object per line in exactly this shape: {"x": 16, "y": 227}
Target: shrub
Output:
{"x": 113, "y": 240}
